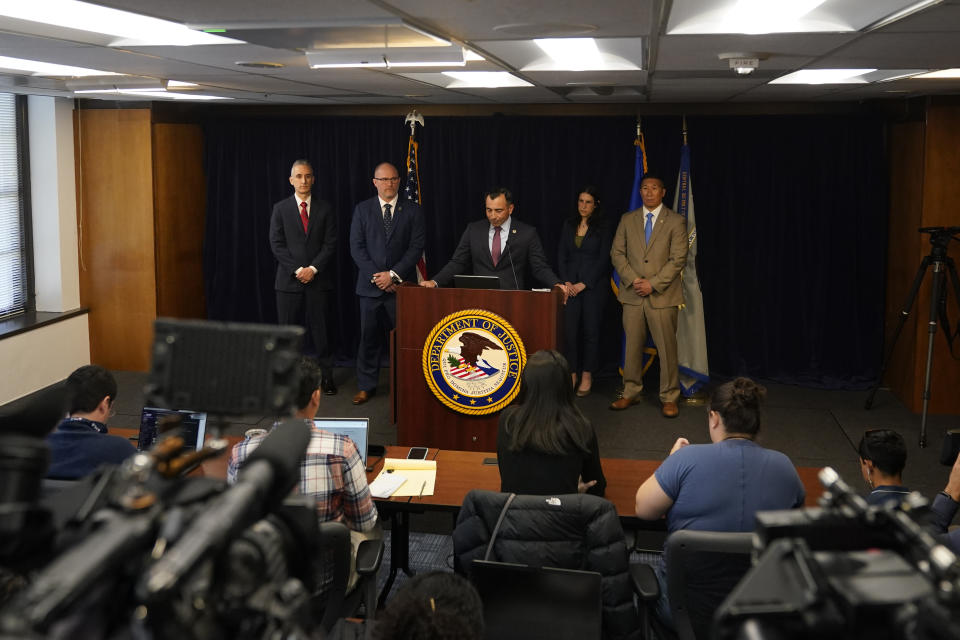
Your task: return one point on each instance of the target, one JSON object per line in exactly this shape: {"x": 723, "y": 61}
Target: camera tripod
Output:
{"x": 939, "y": 237}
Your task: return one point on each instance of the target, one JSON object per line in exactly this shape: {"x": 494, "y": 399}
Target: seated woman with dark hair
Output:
{"x": 720, "y": 486}
{"x": 545, "y": 445}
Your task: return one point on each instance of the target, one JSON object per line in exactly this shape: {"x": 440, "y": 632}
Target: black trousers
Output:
{"x": 581, "y": 333}
{"x": 309, "y": 309}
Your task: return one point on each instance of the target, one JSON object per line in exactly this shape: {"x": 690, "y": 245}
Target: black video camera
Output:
{"x": 131, "y": 552}
{"x": 847, "y": 570}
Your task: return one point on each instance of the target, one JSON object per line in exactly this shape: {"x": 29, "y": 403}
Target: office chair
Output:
{"x": 332, "y": 599}
{"x": 577, "y": 531}
{"x": 702, "y": 569}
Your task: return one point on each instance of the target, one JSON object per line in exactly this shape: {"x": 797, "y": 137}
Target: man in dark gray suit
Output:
{"x": 303, "y": 236}
{"x": 499, "y": 246}
{"x": 386, "y": 241}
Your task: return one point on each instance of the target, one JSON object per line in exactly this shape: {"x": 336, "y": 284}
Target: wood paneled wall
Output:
{"x": 115, "y": 215}
{"x": 180, "y": 208}
{"x": 925, "y": 192}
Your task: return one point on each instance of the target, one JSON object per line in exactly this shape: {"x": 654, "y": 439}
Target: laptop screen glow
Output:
{"x": 355, "y": 428}
{"x": 192, "y": 427}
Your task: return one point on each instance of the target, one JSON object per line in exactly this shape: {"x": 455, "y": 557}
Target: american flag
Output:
{"x": 411, "y": 192}
{"x": 466, "y": 371}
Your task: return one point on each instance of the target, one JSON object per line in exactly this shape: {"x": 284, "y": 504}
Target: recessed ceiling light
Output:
{"x": 484, "y": 80}
{"x": 131, "y": 29}
{"x": 943, "y": 73}
{"x": 163, "y": 95}
{"x": 38, "y": 68}
{"x": 571, "y": 54}
{"x": 259, "y": 65}
{"x": 587, "y": 54}
{"x": 824, "y": 76}
{"x": 755, "y": 17}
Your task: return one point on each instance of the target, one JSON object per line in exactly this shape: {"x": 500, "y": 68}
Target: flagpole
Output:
{"x": 411, "y": 188}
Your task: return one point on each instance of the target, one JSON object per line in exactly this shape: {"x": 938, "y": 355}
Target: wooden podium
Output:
{"x": 422, "y": 420}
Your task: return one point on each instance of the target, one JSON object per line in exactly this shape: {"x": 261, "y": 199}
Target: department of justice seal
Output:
{"x": 472, "y": 361}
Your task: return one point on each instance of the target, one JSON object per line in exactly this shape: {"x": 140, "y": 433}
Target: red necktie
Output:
{"x": 303, "y": 216}
{"x": 495, "y": 250}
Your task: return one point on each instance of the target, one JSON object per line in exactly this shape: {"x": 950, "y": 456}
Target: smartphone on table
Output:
{"x": 417, "y": 453}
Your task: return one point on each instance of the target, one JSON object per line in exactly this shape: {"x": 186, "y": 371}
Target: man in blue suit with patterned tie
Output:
{"x": 386, "y": 241}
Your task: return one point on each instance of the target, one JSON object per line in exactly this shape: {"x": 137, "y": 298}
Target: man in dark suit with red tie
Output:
{"x": 303, "y": 236}
{"x": 386, "y": 241}
{"x": 499, "y": 246}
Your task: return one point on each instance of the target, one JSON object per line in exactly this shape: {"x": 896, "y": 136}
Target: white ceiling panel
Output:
{"x": 899, "y": 51}
{"x": 470, "y": 20}
{"x": 700, "y": 52}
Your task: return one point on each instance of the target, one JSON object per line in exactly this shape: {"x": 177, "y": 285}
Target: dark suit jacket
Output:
{"x": 293, "y": 248}
{"x": 374, "y": 251}
{"x": 590, "y": 262}
{"x": 521, "y": 249}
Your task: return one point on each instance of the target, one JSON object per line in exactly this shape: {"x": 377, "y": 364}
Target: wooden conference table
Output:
{"x": 458, "y": 472}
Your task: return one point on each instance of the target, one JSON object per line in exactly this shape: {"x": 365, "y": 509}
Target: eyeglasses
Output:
{"x": 397, "y": 179}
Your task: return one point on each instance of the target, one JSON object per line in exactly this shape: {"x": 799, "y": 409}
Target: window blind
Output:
{"x": 13, "y": 263}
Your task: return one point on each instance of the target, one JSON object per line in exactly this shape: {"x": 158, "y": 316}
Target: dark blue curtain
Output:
{"x": 791, "y": 214}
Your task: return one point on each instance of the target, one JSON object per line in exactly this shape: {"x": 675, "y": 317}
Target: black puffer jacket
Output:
{"x": 570, "y": 531}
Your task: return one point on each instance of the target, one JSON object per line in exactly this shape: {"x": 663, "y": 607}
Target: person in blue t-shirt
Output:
{"x": 720, "y": 486}
{"x": 80, "y": 442}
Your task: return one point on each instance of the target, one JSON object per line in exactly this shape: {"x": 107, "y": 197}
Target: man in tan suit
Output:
{"x": 649, "y": 251}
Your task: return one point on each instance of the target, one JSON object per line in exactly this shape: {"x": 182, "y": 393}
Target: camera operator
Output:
{"x": 883, "y": 456}
{"x": 332, "y": 471}
{"x": 943, "y": 509}
{"x": 80, "y": 442}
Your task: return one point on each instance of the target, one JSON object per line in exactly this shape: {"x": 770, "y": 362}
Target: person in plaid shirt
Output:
{"x": 332, "y": 471}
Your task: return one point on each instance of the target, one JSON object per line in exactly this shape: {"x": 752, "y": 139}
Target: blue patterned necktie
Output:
{"x": 648, "y": 228}
{"x": 387, "y": 218}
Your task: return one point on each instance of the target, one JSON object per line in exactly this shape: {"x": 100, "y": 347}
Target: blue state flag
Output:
{"x": 691, "y": 329}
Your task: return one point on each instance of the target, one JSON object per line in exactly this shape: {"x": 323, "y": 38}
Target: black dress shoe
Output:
{"x": 328, "y": 387}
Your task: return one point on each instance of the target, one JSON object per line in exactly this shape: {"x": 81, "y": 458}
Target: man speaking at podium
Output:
{"x": 499, "y": 247}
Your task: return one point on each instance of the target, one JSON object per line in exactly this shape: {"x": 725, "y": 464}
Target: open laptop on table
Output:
{"x": 193, "y": 425}
{"x": 355, "y": 428}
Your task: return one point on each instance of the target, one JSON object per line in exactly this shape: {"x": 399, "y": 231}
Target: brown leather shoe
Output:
{"x": 361, "y": 397}
{"x": 670, "y": 410}
{"x": 624, "y": 403}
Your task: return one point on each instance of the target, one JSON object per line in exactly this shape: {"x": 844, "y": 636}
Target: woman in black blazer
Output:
{"x": 584, "y": 257}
